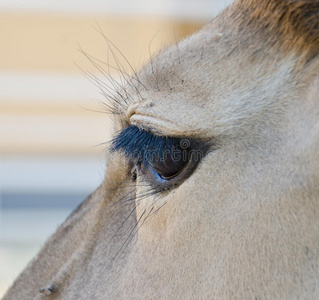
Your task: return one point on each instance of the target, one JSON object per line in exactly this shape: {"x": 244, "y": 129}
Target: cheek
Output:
{"x": 208, "y": 191}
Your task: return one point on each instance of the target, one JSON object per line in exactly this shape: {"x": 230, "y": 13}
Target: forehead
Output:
{"x": 219, "y": 59}
{"x": 251, "y": 38}
{"x": 206, "y": 79}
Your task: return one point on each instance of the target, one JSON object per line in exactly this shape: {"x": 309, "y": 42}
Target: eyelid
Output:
{"x": 136, "y": 143}
{"x": 163, "y": 126}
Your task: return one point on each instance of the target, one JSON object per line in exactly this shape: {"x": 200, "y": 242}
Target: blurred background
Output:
{"x": 50, "y": 158}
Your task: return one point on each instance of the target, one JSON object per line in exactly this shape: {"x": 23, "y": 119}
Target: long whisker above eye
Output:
{"x": 110, "y": 43}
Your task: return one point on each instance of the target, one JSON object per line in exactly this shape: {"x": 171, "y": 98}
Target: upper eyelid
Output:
{"x": 134, "y": 141}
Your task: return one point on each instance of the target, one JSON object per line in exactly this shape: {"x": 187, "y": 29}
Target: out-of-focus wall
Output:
{"x": 43, "y": 93}
{"x": 49, "y": 132}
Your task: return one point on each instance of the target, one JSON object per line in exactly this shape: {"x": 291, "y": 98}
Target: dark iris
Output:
{"x": 170, "y": 163}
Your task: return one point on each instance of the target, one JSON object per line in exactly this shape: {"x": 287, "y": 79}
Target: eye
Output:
{"x": 171, "y": 162}
{"x": 169, "y": 168}
{"x": 164, "y": 162}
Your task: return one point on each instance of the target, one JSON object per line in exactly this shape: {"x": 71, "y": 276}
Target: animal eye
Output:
{"x": 165, "y": 162}
{"x": 171, "y": 163}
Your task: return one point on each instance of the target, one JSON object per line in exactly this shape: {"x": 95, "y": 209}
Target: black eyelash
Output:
{"x": 137, "y": 144}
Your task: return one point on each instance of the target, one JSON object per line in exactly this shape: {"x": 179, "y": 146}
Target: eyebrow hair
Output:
{"x": 136, "y": 144}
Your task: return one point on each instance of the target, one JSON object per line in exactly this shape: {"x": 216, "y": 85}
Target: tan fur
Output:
{"x": 245, "y": 224}
{"x": 292, "y": 25}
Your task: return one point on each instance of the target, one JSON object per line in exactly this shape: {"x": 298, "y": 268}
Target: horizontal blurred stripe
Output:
{"x": 45, "y": 88}
{"x": 52, "y": 133}
{"x": 51, "y": 174}
{"x": 47, "y": 42}
{"x": 58, "y": 116}
{"x": 40, "y": 200}
{"x": 178, "y": 9}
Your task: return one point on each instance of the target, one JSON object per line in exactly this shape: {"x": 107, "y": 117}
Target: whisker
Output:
{"x": 106, "y": 75}
{"x": 114, "y": 82}
{"x": 127, "y": 238}
{"x": 117, "y": 231}
{"x": 96, "y": 82}
{"x": 133, "y": 235}
{"x": 126, "y": 60}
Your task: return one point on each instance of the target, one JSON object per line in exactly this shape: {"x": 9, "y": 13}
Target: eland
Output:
{"x": 212, "y": 183}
